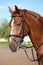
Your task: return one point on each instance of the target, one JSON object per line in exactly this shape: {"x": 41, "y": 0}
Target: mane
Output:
{"x": 35, "y": 15}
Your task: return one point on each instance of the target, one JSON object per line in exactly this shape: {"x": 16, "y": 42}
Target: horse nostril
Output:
{"x": 13, "y": 47}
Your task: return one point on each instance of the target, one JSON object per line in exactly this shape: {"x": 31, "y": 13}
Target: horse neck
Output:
{"x": 36, "y": 28}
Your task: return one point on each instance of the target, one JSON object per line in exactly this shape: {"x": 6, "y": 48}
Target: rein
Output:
{"x": 24, "y": 48}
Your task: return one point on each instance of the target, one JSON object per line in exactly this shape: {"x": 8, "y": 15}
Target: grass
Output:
{"x": 4, "y": 43}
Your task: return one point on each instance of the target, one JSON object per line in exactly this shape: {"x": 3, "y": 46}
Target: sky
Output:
{"x": 34, "y": 5}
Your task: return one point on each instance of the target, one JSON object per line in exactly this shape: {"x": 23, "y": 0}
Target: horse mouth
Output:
{"x": 14, "y": 47}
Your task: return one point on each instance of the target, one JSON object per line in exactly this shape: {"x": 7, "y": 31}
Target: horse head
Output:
{"x": 18, "y": 28}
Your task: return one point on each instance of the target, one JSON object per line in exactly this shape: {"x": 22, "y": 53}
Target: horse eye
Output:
{"x": 18, "y": 24}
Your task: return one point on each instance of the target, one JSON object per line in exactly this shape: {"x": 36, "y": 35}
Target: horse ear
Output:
{"x": 10, "y": 10}
{"x": 17, "y": 10}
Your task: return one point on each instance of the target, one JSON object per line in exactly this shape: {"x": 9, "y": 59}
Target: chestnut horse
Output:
{"x": 24, "y": 22}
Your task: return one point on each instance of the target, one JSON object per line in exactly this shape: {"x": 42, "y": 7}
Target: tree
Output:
{"x": 4, "y": 29}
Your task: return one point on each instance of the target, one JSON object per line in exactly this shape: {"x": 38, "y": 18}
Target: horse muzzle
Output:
{"x": 13, "y": 47}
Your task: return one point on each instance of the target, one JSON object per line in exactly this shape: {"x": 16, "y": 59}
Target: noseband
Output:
{"x": 22, "y": 30}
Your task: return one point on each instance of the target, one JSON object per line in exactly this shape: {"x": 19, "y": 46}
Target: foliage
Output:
{"x": 4, "y": 29}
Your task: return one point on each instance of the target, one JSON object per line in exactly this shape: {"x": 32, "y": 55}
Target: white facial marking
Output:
{"x": 12, "y": 27}
{"x": 12, "y": 23}
{"x": 10, "y": 39}
{"x": 11, "y": 33}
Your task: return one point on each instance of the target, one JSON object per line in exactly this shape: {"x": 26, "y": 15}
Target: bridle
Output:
{"x": 22, "y": 36}
{"x": 22, "y": 30}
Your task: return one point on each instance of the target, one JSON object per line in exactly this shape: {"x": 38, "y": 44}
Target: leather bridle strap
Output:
{"x": 15, "y": 36}
{"x": 37, "y": 53}
{"x": 39, "y": 46}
